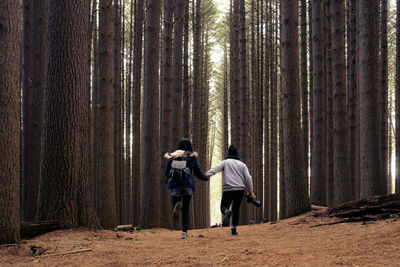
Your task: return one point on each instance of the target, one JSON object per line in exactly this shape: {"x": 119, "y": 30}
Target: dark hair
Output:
{"x": 185, "y": 145}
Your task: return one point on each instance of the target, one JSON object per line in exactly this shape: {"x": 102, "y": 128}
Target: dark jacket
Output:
{"x": 191, "y": 163}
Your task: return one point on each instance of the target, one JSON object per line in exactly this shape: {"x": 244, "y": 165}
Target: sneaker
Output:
{"x": 234, "y": 232}
{"x": 177, "y": 210}
{"x": 226, "y": 218}
{"x": 184, "y": 235}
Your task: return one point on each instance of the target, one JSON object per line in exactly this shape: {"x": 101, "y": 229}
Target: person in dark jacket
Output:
{"x": 181, "y": 195}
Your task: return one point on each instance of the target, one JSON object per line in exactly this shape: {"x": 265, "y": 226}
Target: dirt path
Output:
{"x": 287, "y": 243}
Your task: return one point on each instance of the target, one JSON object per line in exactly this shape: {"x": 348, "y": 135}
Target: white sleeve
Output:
{"x": 218, "y": 168}
{"x": 248, "y": 180}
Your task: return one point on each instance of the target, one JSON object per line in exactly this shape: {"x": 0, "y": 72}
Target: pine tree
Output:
{"x": 10, "y": 93}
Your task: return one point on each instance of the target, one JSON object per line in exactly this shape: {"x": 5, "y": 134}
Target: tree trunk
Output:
{"x": 244, "y": 116}
{"x": 137, "y": 79}
{"x": 371, "y": 182}
{"x": 297, "y": 200}
{"x": 304, "y": 80}
{"x": 64, "y": 183}
{"x": 150, "y": 165}
{"x": 27, "y": 94}
{"x": 186, "y": 78}
{"x": 384, "y": 96}
{"x": 10, "y": 108}
{"x": 117, "y": 105}
{"x": 352, "y": 98}
{"x": 166, "y": 107}
{"x": 329, "y": 194}
{"x": 342, "y": 184}
{"x": 177, "y": 129}
{"x": 318, "y": 163}
{"x": 107, "y": 206}
{"x": 397, "y": 97}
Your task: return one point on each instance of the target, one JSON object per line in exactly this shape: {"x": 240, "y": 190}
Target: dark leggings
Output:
{"x": 185, "y": 209}
{"x": 234, "y": 198}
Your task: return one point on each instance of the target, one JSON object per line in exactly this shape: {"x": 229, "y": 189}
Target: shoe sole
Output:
{"x": 227, "y": 218}
{"x": 177, "y": 210}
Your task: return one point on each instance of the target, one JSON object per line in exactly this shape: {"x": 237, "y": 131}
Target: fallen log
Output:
{"x": 125, "y": 227}
{"x": 31, "y": 229}
{"x": 369, "y": 209}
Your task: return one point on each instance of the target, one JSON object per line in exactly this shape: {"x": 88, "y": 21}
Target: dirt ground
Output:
{"x": 291, "y": 242}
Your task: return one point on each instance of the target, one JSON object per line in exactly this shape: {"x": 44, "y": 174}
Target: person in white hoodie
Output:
{"x": 235, "y": 179}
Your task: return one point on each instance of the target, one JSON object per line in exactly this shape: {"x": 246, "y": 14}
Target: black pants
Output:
{"x": 234, "y": 198}
{"x": 185, "y": 209}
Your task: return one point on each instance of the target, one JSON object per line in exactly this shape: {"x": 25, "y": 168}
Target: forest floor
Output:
{"x": 291, "y": 242}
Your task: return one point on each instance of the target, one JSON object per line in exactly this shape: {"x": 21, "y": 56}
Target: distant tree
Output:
{"x": 383, "y": 147}
{"x": 297, "y": 200}
{"x": 137, "y": 81}
{"x": 371, "y": 182}
{"x": 107, "y": 201}
{"x": 117, "y": 106}
{"x": 177, "y": 129}
{"x": 150, "y": 181}
{"x": 318, "y": 163}
{"x": 342, "y": 184}
{"x": 166, "y": 109}
{"x": 186, "y": 78}
{"x": 304, "y": 80}
{"x": 64, "y": 183}
{"x": 352, "y": 97}
{"x": 10, "y": 94}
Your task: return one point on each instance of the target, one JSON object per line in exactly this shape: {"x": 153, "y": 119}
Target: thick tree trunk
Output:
{"x": 107, "y": 206}
{"x": 150, "y": 164}
{"x": 297, "y": 200}
{"x": 27, "y": 94}
{"x": 397, "y": 97}
{"x": 318, "y": 163}
{"x": 329, "y": 194}
{"x": 166, "y": 107}
{"x": 10, "y": 109}
{"x": 371, "y": 182}
{"x": 342, "y": 184}
{"x": 64, "y": 183}
{"x": 352, "y": 98}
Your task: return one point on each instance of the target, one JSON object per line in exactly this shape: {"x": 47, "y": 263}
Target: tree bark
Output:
{"x": 64, "y": 183}
{"x": 166, "y": 107}
{"x": 107, "y": 201}
{"x": 10, "y": 108}
{"x": 177, "y": 129}
{"x": 384, "y": 96}
{"x": 371, "y": 182}
{"x": 137, "y": 81}
{"x": 297, "y": 200}
{"x": 342, "y": 184}
{"x": 397, "y": 97}
{"x": 318, "y": 163}
{"x": 150, "y": 164}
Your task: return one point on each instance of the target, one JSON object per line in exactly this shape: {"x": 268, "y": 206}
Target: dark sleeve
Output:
{"x": 168, "y": 168}
{"x": 197, "y": 171}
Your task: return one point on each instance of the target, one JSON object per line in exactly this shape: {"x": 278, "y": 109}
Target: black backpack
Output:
{"x": 179, "y": 173}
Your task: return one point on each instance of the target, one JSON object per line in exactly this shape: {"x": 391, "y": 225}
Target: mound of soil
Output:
{"x": 289, "y": 242}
